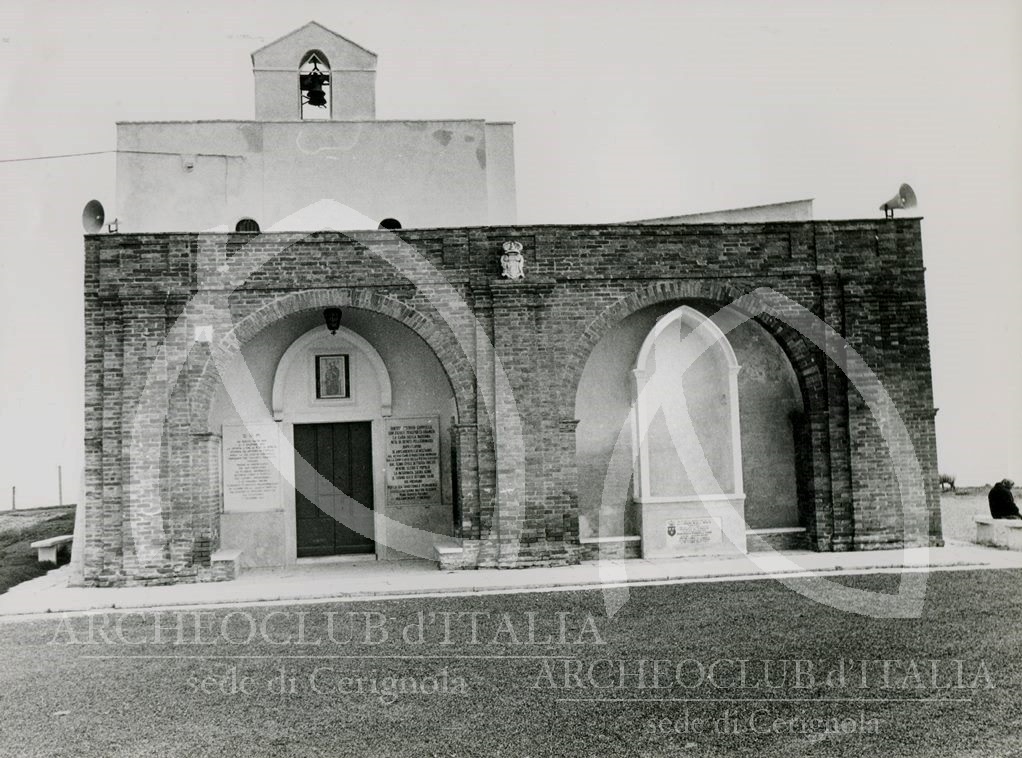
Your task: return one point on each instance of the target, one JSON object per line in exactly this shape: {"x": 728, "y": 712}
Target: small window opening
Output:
{"x": 247, "y": 225}
{"x": 314, "y": 86}
{"x": 390, "y": 223}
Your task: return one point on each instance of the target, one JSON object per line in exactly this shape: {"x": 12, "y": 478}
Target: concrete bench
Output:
{"x": 1000, "y": 532}
{"x": 448, "y": 556}
{"x": 47, "y": 549}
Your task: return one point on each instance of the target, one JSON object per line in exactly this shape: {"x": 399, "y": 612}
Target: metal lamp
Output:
{"x": 332, "y": 316}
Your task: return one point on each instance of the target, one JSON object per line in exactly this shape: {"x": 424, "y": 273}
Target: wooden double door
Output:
{"x": 333, "y": 468}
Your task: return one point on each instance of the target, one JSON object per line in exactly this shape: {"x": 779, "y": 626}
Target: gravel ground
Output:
{"x": 243, "y": 682}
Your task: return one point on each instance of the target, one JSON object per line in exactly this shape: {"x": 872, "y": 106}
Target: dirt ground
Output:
{"x": 18, "y": 530}
{"x": 957, "y": 510}
{"x": 15, "y": 520}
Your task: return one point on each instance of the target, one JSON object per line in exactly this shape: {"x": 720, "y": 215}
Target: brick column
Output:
{"x": 466, "y": 465}
{"x": 104, "y": 546}
{"x": 530, "y": 443}
{"x": 562, "y": 522}
{"x": 201, "y": 504}
{"x": 92, "y": 551}
{"x": 484, "y": 523}
{"x": 145, "y": 392}
{"x": 209, "y": 310}
{"x": 842, "y": 520}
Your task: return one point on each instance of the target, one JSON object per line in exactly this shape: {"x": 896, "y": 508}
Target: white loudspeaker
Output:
{"x": 906, "y": 198}
{"x": 93, "y": 216}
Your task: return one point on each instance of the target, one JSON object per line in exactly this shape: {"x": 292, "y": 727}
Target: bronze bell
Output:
{"x": 315, "y": 95}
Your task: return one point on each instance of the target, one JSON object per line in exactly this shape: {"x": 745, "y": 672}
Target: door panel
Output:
{"x": 342, "y": 455}
{"x": 359, "y": 481}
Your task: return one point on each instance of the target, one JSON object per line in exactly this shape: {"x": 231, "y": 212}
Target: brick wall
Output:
{"x": 514, "y": 351}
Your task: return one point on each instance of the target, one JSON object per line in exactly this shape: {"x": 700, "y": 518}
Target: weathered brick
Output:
{"x": 514, "y": 357}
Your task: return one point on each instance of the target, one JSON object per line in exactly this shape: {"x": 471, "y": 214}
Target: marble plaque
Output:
{"x": 251, "y": 467}
{"x": 692, "y": 532}
{"x": 413, "y": 461}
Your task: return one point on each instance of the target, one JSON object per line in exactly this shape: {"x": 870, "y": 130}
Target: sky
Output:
{"x": 622, "y": 111}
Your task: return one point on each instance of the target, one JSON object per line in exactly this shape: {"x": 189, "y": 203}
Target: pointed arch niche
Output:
{"x": 686, "y": 431}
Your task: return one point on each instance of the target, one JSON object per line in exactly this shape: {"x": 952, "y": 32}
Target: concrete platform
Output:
{"x": 339, "y": 581}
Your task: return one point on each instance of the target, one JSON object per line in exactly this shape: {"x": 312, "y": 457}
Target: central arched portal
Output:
{"x": 366, "y": 411}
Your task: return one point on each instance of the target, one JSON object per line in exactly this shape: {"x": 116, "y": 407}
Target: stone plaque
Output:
{"x": 692, "y": 532}
{"x": 251, "y": 467}
{"x": 413, "y": 461}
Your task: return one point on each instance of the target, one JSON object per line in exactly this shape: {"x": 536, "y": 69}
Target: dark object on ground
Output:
{"x": 17, "y": 558}
{"x": 1002, "y": 503}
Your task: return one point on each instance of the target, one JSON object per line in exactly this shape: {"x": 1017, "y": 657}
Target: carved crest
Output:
{"x": 671, "y": 530}
{"x": 512, "y": 261}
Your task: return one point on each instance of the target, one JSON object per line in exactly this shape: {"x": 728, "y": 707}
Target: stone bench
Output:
{"x": 1002, "y": 533}
{"x": 47, "y": 549}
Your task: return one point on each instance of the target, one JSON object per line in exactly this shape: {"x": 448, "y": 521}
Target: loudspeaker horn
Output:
{"x": 93, "y": 216}
{"x": 906, "y": 198}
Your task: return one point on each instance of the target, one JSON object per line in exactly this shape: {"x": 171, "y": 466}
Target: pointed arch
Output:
{"x": 816, "y": 496}
{"x": 702, "y": 337}
{"x": 315, "y": 99}
{"x": 318, "y": 55}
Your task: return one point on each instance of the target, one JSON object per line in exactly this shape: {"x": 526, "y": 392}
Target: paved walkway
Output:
{"x": 367, "y": 580}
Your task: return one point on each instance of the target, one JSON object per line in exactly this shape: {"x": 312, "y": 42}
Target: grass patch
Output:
{"x": 326, "y": 679}
{"x": 19, "y": 530}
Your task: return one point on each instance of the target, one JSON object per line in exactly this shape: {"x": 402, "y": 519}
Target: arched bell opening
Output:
{"x": 314, "y": 86}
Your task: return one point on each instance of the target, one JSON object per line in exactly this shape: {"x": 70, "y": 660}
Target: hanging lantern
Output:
{"x": 332, "y": 316}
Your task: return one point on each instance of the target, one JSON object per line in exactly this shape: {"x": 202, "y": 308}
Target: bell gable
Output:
{"x": 344, "y": 80}
{"x": 287, "y": 51}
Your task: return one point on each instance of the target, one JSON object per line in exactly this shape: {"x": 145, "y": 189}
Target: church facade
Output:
{"x": 319, "y": 337}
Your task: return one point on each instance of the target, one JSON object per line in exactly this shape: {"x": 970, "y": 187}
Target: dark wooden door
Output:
{"x": 342, "y": 455}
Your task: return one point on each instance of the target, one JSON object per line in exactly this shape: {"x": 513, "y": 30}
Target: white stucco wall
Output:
{"x": 500, "y": 173}
{"x": 196, "y": 176}
{"x": 191, "y": 176}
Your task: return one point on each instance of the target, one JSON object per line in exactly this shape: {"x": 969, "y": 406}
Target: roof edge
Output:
{"x": 283, "y": 37}
{"x": 667, "y": 219}
{"x": 321, "y": 121}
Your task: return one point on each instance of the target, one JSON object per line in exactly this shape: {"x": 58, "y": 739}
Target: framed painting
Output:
{"x": 332, "y": 377}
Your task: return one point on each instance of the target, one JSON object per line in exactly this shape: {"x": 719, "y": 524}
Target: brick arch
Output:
{"x": 799, "y": 350}
{"x": 815, "y": 480}
{"x": 431, "y": 330}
